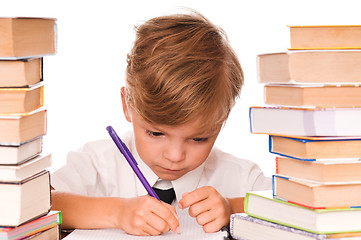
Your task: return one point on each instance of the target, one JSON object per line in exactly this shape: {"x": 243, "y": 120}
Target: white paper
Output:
{"x": 190, "y": 229}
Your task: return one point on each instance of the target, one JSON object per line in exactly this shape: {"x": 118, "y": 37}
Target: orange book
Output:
{"x": 325, "y": 37}
{"x": 21, "y": 72}
{"x": 16, "y": 129}
{"x": 21, "y": 100}
{"x": 25, "y": 37}
{"x": 318, "y": 95}
{"x": 312, "y": 148}
{"x": 310, "y": 67}
{"x": 335, "y": 170}
{"x": 317, "y": 195}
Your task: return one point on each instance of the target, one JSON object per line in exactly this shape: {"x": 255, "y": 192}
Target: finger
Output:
{"x": 213, "y": 226}
{"x": 200, "y": 207}
{"x": 175, "y": 227}
{"x": 191, "y": 198}
{"x": 172, "y": 209}
{"x": 168, "y": 214}
{"x": 205, "y": 217}
{"x": 156, "y": 225}
{"x": 212, "y": 220}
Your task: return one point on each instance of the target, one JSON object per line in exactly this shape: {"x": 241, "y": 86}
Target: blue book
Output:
{"x": 313, "y": 148}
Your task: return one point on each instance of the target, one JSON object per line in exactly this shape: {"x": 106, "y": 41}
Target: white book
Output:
{"x": 19, "y": 154}
{"x": 244, "y": 227}
{"x": 26, "y": 169}
{"x": 306, "y": 121}
{"x": 26, "y": 200}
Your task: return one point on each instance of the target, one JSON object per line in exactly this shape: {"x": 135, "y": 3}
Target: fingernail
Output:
{"x": 180, "y": 206}
{"x": 177, "y": 230}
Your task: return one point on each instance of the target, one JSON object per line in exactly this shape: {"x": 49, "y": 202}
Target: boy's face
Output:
{"x": 171, "y": 151}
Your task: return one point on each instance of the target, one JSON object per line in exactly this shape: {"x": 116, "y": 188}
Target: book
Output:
{"x": 14, "y": 155}
{"x": 24, "y": 37}
{"x": 21, "y": 72}
{"x": 189, "y": 228}
{"x": 313, "y": 148}
{"x": 17, "y": 129}
{"x": 332, "y": 170}
{"x": 244, "y": 227}
{"x": 316, "y": 194}
{"x": 325, "y": 37}
{"x": 26, "y": 169}
{"x": 321, "y": 66}
{"x": 49, "y": 234}
{"x": 288, "y": 121}
{"x": 25, "y": 200}
{"x": 319, "y": 95}
{"x": 21, "y": 100}
{"x": 261, "y": 204}
{"x": 38, "y": 225}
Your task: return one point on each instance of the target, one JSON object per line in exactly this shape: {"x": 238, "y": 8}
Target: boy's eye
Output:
{"x": 200, "y": 139}
{"x": 154, "y": 134}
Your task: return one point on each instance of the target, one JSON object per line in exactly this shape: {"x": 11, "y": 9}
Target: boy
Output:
{"x": 182, "y": 81}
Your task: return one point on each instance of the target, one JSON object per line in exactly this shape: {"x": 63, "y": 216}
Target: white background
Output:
{"x": 82, "y": 81}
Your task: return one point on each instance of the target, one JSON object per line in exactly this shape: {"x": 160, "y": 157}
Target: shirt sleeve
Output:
{"x": 80, "y": 173}
{"x": 258, "y": 180}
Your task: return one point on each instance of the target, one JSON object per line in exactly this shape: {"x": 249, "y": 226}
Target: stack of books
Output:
{"x": 24, "y": 178}
{"x": 312, "y": 116}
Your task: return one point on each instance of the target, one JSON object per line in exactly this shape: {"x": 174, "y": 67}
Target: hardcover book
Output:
{"x": 27, "y": 37}
{"x": 244, "y": 227}
{"x": 310, "y": 67}
{"x": 261, "y": 204}
{"x": 51, "y": 220}
{"x": 318, "y": 95}
{"x": 14, "y": 155}
{"x": 306, "y": 121}
{"x": 21, "y": 100}
{"x": 325, "y": 37}
{"x": 21, "y": 72}
{"x": 27, "y": 169}
{"x": 17, "y": 129}
{"x": 313, "y": 194}
{"x": 26, "y": 200}
{"x": 313, "y": 148}
{"x": 330, "y": 170}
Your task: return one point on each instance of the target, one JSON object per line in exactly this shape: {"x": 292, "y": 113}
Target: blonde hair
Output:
{"x": 182, "y": 67}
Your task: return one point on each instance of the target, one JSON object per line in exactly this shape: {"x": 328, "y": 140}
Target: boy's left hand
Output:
{"x": 211, "y": 210}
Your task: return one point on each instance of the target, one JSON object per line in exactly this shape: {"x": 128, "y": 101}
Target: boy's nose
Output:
{"x": 174, "y": 152}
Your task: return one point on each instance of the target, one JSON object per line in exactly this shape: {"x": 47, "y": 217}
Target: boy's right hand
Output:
{"x": 146, "y": 215}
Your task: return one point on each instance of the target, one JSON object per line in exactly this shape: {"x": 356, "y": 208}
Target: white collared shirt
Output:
{"x": 99, "y": 169}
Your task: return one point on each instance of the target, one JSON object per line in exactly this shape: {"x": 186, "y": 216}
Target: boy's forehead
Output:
{"x": 196, "y": 127}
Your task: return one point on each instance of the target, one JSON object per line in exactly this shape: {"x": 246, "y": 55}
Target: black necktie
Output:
{"x": 166, "y": 195}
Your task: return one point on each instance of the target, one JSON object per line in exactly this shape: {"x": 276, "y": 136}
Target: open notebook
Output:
{"x": 190, "y": 229}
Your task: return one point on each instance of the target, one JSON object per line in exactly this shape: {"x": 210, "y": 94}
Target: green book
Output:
{"x": 262, "y": 204}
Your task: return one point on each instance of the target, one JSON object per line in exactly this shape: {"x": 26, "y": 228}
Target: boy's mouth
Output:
{"x": 171, "y": 170}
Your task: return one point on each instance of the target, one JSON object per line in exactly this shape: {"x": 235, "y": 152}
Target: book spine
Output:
{"x": 250, "y": 119}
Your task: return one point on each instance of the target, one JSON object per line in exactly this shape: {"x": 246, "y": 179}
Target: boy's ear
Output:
{"x": 125, "y": 106}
